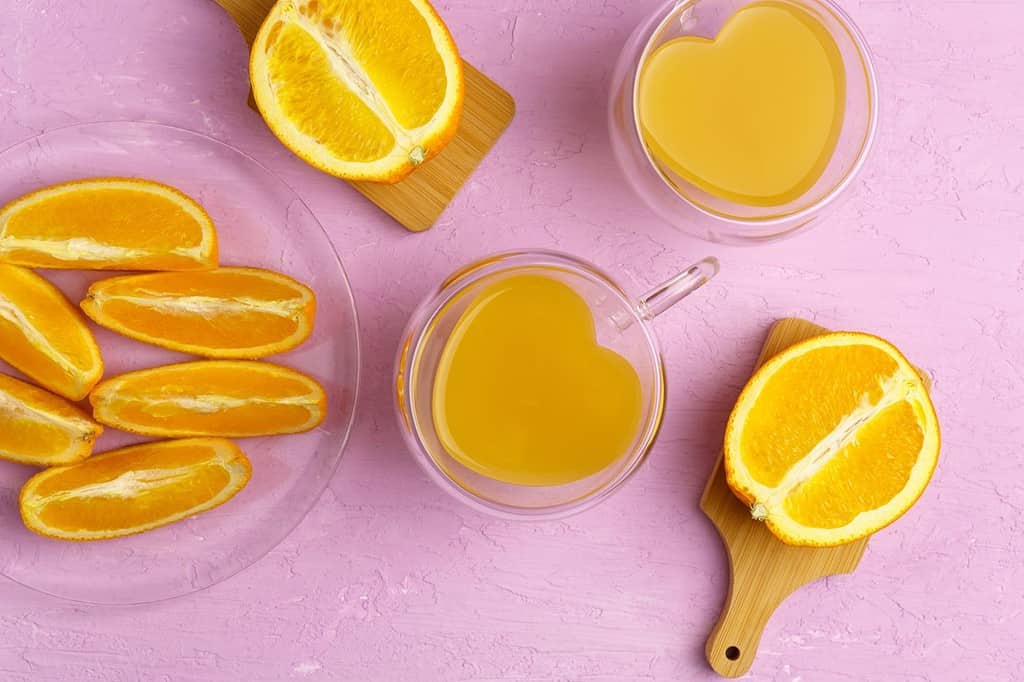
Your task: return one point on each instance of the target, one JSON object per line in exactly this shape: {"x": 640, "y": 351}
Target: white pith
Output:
{"x": 88, "y": 249}
{"x": 204, "y": 306}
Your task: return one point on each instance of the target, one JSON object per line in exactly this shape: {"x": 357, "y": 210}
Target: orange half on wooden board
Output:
{"x": 832, "y": 439}
{"x": 133, "y": 489}
{"x": 108, "y": 224}
{"x": 361, "y": 89}
{"x": 44, "y": 337}
{"x": 234, "y": 398}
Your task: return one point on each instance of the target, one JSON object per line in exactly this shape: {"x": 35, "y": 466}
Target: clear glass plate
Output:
{"x": 260, "y": 222}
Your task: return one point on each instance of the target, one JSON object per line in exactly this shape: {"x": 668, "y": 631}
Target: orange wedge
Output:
{"x": 223, "y": 313}
{"x": 134, "y": 489}
{"x": 38, "y": 428}
{"x": 108, "y": 224}
{"x": 44, "y": 337}
{"x": 361, "y": 89}
{"x": 832, "y": 439}
{"x": 211, "y": 398}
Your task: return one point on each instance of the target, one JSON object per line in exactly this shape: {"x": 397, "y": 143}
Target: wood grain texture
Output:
{"x": 248, "y": 14}
{"x": 419, "y": 200}
{"x": 764, "y": 570}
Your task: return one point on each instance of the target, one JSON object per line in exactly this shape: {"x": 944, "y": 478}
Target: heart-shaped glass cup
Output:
{"x": 688, "y": 207}
{"x": 622, "y": 324}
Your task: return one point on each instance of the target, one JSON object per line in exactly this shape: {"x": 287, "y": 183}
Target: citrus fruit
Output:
{"x": 133, "y": 489}
{"x": 361, "y": 89}
{"x": 222, "y": 313}
{"x": 108, "y": 224}
{"x": 211, "y": 398}
{"x": 44, "y": 337}
{"x": 832, "y": 439}
{"x": 38, "y": 428}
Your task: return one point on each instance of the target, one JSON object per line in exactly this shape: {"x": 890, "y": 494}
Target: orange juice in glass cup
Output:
{"x": 740, "y": 121}
{"x": 529, "y": 384}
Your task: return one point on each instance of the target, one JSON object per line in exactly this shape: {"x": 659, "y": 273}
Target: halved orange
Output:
{"x": 223, "y": 313}
{"x": 361, "y": 89}
{"x": 44, "y": 337}
{"x": 38, "y": 428}
{"x": 133, "y": 489}
{"x": 832, "y": 439}
{"x": 211, "y": 398}
{"x": 108, "y": 224}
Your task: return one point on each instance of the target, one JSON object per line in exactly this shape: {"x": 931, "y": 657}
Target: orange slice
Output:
{"x": 38, "y": 428}
{"x": 44, "y": 337}
{"x": 832, "y": 439}
{"x": 133, "y": 489}
{"x": 361, "y": 89}
{"x": 223, "y": 313}
{"x": 211, "y": 398}
{"x": 108, "y": 224}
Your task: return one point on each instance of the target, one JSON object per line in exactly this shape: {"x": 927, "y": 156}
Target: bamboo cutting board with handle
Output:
{"x": 418, "y": 201}
{"x": 764, "y": 570}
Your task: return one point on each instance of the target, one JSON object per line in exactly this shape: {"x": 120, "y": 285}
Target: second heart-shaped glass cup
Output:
{"x": 691, "y": 209}
{"x": 622, "y": 324}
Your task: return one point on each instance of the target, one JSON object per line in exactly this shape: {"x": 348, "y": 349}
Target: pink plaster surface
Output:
{"x": 390, "y": 579}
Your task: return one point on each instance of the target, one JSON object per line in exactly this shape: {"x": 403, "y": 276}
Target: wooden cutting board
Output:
{"x": 764, "y": 570}
{"x": 418, "y": 201}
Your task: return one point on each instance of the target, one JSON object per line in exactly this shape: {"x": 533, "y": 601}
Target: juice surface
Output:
{"x": 752, "y": 116}
{"x": 523, "y": 393}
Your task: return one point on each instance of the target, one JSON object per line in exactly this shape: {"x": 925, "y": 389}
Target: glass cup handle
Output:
{"x": 668, "y": 293}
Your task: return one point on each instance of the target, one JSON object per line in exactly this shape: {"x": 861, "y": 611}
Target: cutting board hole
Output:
{"x": 732, "y": 653}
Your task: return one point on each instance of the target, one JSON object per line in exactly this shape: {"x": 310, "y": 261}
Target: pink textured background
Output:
{"x": 389, "y": 579}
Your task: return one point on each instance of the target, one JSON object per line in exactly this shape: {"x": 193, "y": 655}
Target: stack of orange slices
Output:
{"x": 190, "y": 305}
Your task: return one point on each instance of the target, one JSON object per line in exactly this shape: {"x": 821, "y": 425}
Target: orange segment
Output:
{"x": 134, "y": 489}
{"x": 301, "y": 67}
{"x": 826, "y": 501}
{"x": 400, "y": 38}
{"x": 362, "y": 89}
{"x": 223, "y": 313}
{"x": 44, "y": 337}
{"x": 108, "y": 224}
{"x": 211, "y": 398}
{"x": 38, "y": 428}
{"x": 832, "y": 439}
{"x": 773, "y": 440}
